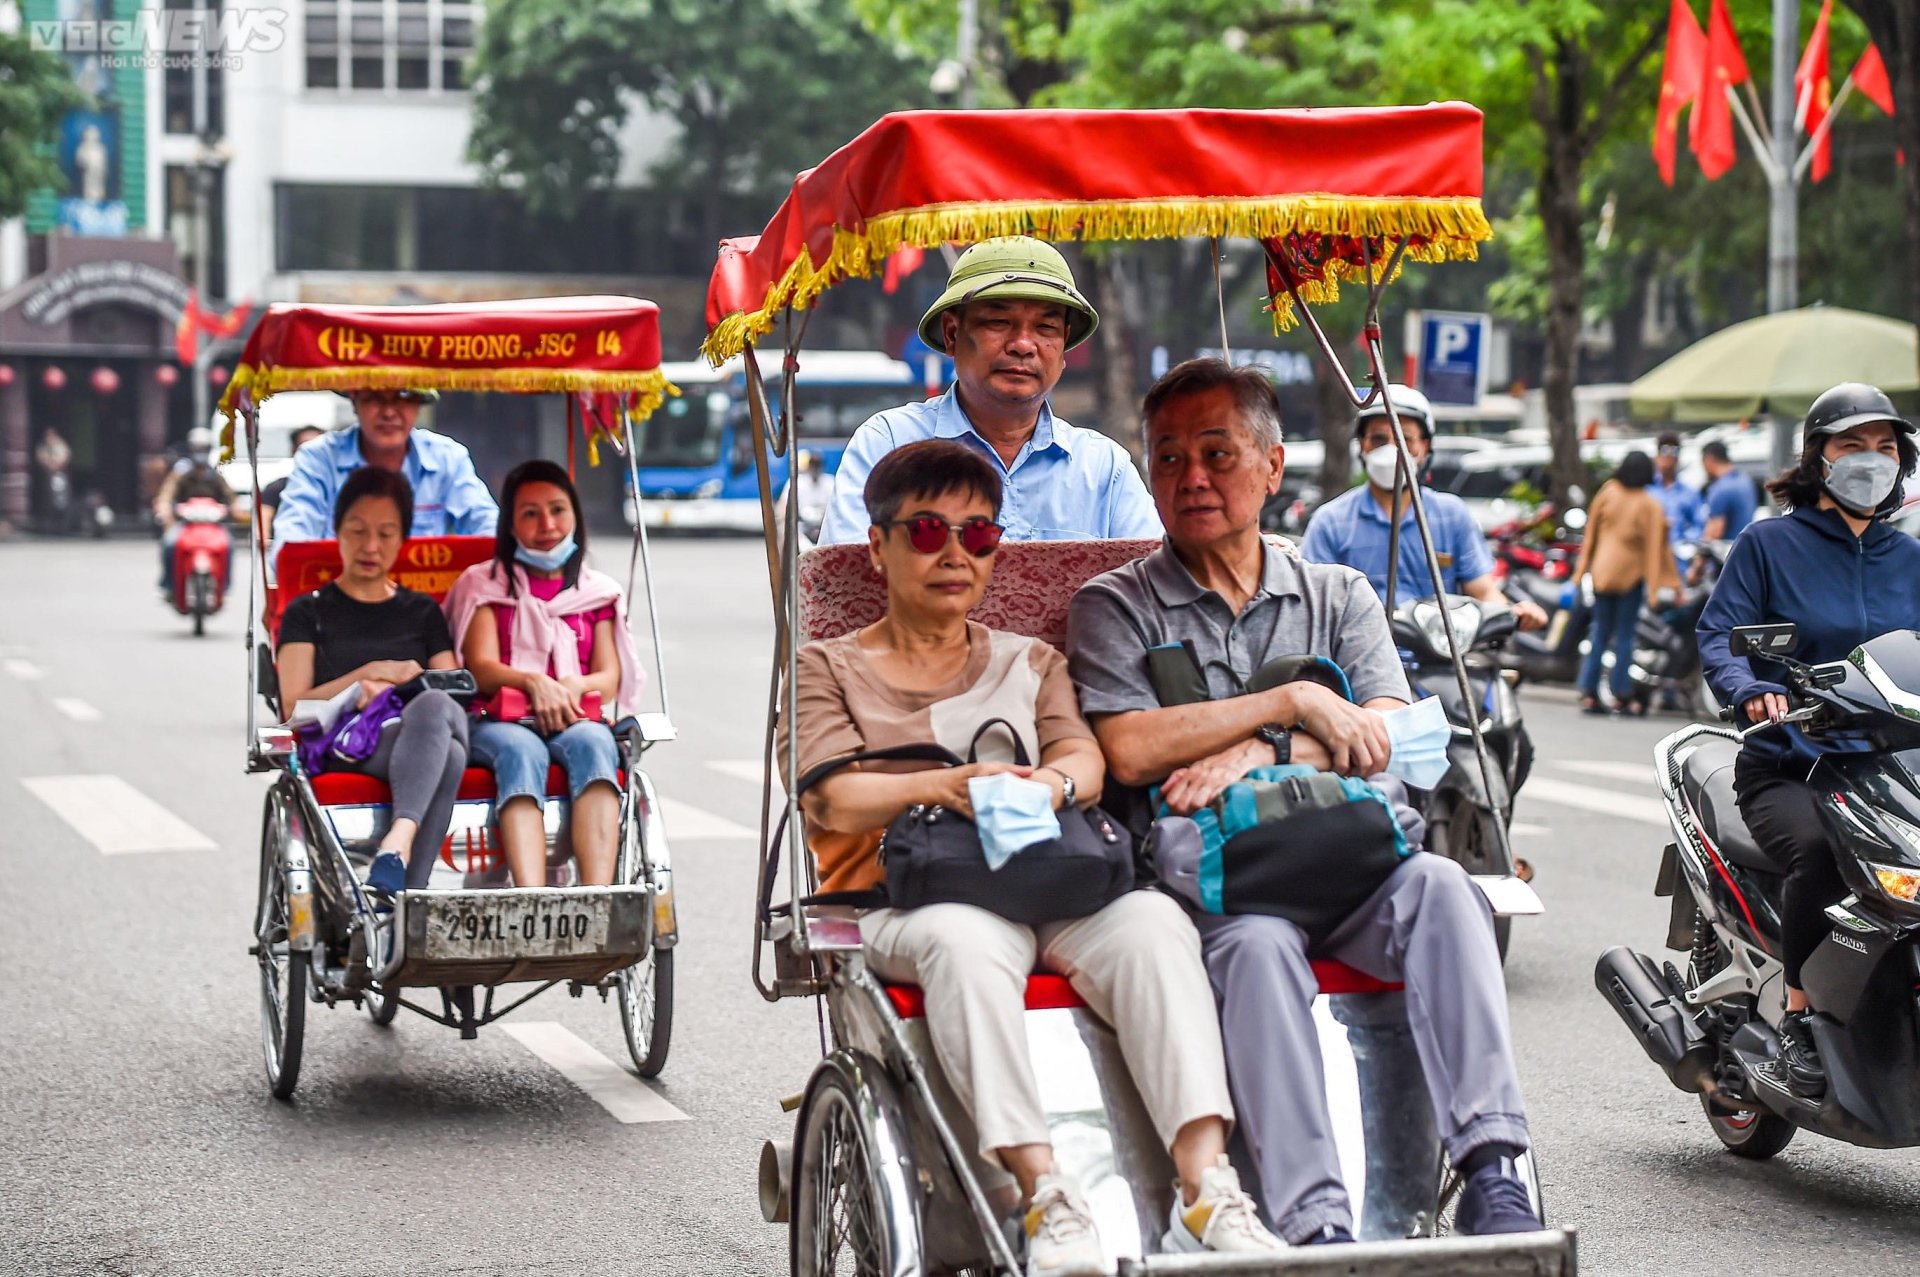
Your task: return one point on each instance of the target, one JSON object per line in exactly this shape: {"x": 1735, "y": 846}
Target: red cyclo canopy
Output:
{"x": 1319, "y": 180}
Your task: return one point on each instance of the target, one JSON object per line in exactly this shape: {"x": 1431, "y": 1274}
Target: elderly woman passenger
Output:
{"x": 924, "y": 672}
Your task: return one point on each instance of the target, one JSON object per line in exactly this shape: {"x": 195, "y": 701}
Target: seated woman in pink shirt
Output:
{"x": 546, "y": 639}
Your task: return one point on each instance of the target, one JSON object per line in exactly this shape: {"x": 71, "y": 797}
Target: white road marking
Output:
{"x": 114, "y": 816}
{"x": 26, "y": 671}
{"x": 606, "y": 1083}
{"x": 1521, "y": 829}
{"x": 747, "y": 769}
{"x": 1611, "y": 769}
{"x": 76, "y": 709}
{"x": 1607, "y": 802}
{"x": 687, "y": 821}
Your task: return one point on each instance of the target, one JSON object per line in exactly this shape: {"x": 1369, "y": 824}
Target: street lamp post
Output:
{"x": 1783, "y": 222}
{"x": 209, "y": 158}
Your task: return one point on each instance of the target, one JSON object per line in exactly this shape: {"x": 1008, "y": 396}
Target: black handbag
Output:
{"x": 933, "y": 856}
{"x": 458, "y": 684}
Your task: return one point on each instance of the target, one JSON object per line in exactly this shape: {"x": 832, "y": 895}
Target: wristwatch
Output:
{"x": 1281, "y": 740}
{"x": 1067, "y": 788}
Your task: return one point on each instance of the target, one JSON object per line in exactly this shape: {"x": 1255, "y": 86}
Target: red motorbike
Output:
{"x": 202, "y": 555}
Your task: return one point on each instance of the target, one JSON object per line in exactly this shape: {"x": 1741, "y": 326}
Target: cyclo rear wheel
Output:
{"x": 283, "y": 972}
{"x": 646, "y": 987}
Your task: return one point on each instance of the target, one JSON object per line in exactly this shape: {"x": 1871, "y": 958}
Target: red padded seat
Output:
{"x": 1049, "y": 992}
{"x": 350, "y": 789}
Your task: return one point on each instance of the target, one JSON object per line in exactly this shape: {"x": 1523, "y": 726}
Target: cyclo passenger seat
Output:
{"x": 1706, "y": 781}
{"x": 1028, "y": 593}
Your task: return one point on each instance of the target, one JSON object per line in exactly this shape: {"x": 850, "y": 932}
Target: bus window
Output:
{"x": 830, "y": 414}
{"x": 685, "y": 432}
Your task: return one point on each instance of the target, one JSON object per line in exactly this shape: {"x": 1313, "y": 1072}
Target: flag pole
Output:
{"x": 1783, "y": 223}
{"x": 1826, "y": 127}
{"x": 1761, "y": 151}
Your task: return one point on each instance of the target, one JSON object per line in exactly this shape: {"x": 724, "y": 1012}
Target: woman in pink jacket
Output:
{"x": 546, "y": 639}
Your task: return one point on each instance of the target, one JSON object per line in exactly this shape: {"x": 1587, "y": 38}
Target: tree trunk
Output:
{"x": 1563, "y": 219}
{"x": 1337, "y": 415}
{"x": 1116, "y": 387}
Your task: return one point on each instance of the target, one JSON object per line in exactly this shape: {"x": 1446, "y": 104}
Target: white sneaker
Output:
{"x": 1222, "y": 1218}
{"x": 1061, "y": 1240}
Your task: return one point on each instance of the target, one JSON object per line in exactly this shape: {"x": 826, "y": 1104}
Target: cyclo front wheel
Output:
{"x": 283, "y": 971}
{"x": 838, "y": 1224}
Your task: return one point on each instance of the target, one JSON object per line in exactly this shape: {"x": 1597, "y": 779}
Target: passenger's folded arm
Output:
{"x": 1143, "y": 746}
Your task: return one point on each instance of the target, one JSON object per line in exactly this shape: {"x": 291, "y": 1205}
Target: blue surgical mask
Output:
{"x": 546, "y": 560}
{"x": 1419, "y": 734}
{"x": 1012, "y": 814}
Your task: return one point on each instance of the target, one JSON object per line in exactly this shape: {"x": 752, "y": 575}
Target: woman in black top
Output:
{"x": 362, "y": 628}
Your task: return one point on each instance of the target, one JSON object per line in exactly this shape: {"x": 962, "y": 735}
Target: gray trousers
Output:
{"x": 421, "y": 755}
{"x": 1427, "y": 925}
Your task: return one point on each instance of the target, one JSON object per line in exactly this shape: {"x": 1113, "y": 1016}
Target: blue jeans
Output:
{"x": 518, "y": 756}
{"x": 1614, "y": 616}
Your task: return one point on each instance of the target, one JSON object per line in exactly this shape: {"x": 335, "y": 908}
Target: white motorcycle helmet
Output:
{"x": 1415, "y": 414}
{"x": 200, "y": 444}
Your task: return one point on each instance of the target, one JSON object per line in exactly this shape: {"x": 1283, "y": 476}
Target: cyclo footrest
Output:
{"x": 518, "y": 934}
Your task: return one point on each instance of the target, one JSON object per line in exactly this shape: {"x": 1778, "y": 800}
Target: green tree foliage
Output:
{"x": 758, "y": 90}
{"x": 35, "y": 91}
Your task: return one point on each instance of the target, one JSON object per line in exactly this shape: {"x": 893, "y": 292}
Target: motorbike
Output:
{"x": 201, "y": 559}
{"x": 1712, "y": 1026}
{"x": 1533, "y": 559}
{"x": 1461, "y": 809}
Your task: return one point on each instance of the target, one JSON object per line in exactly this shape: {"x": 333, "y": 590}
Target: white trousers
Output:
{"x": 1136, "y": 963}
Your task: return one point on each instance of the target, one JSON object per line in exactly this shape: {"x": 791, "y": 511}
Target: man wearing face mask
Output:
{"x": 1842, "y": 576}
{"x": 1355, "y": 528}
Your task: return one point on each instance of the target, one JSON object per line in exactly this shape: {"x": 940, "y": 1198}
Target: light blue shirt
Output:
{"x": 1353, "y": 529}
{"x": 1732, "y": 497}
{"x": 1065, "y": 484}
{"x": 448, "y": 497}
{"x": 1686, "y": 513}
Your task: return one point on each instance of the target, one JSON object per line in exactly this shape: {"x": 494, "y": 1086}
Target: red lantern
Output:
{"x": 166, "y": 374}
{"x": 53, "y": 378}
{"x": 104, "y": 380}
{"x": 217, "y": 374}
{"x": 6, "y": 375}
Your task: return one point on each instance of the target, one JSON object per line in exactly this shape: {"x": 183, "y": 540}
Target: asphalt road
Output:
{"x": 137, "y": 1137}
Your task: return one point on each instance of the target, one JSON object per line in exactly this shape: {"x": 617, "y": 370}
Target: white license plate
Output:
{"x": 510, "y": 926}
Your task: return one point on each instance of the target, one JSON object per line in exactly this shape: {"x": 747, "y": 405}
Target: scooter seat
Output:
{"x": 1706, "y": 780}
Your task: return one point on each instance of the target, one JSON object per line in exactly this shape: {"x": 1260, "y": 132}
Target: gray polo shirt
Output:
{"x": 1319, "y": 608}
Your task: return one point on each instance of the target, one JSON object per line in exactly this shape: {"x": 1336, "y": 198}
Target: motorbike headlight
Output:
{"x": 1431, "y": 618}
{"x": 711, "y": 488}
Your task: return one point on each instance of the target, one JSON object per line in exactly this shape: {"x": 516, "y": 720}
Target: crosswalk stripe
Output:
{"x": 1610, "y": 769}
{"x": 607, "y": 1084}
{"x": 747, "y": 769}
{"x": 1521, "y": 829}
{"x": 1607, "y": 802}
{"x": 26, "y": 671}
{"x": 76, "y": 709}
{"x": 114, "y": 816}
{"x": 687, "y": 821}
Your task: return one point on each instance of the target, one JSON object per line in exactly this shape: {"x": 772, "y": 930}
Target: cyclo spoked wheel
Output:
{"x": 381, "y": 1007}
{"x": 283, "y": 972}
{"x": 1463, "y": 833}
{"x": 646, "y": 987}
{"x": 837, "y": 1216}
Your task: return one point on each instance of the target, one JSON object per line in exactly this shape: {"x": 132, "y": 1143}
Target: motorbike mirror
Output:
{"x": 1576, "y": 496}
{"x": 1774, "y": 640}
{"x": 1576, "y": 519}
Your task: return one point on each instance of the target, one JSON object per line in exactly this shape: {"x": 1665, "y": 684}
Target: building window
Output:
{"x": 179, "y": 84}
{"x": 397, "y": 46}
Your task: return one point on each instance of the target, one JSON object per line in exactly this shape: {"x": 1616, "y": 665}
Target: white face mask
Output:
{"x": 1383, "y": 466}
{"x": 1860, "y": 481}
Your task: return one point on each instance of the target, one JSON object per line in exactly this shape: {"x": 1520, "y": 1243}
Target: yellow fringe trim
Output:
{"x": 649, "y": 388}
{"x": 1450, "y": 229}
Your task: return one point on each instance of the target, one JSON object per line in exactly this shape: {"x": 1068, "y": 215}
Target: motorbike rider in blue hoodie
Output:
{"x": 1842, "y": 576}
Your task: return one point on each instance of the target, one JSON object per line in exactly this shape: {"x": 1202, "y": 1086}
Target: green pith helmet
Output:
{"x": 1017, "y": 267}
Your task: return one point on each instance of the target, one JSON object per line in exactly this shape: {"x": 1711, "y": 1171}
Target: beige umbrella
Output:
{"x": 1778, "y": 365}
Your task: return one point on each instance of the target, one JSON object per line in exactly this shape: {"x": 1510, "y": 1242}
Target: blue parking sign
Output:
{"x": 1453, "y": 356}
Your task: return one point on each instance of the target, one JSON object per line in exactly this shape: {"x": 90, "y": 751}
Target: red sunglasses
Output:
{"x": 928, "y": 534}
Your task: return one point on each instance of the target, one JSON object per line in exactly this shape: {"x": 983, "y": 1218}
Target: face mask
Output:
{"x": 1860, "y": 481}
{"x": 1011, "y": 814}
{"x": 546, "y": 560}
{"x": 1383, "y": 465}
{"x": 1418, "y": 734}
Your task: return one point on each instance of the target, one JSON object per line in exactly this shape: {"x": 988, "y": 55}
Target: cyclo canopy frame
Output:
{"x": 602, "y": 352}
{"x": 1343, "y": 195}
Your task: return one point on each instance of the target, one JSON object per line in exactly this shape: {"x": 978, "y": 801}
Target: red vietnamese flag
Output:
{"x": 1870, "y": 77}
{"x": 906, "y": 259}
{"x": 1710, "y": 132}
{"x": 1679, "y": 81}
{"x": 1813, "y": 92}
{"x": 229, "y": 324}
{"x": 186, "y": 333}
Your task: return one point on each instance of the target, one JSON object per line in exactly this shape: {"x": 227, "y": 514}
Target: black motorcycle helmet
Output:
{"x": 1849, "y": 404}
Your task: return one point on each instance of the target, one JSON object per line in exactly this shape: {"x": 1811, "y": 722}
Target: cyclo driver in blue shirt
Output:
{"x": 449, "y": 497}
{"x": 1008, "y": 317}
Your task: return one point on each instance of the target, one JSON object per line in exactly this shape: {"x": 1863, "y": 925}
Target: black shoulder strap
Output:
{"x": 926, "y": 753}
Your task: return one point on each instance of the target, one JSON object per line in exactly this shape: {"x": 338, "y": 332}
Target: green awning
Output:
{"x": 1778, "y": 365}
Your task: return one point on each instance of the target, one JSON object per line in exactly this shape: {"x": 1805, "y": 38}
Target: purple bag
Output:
{"x": 353, "y": 737}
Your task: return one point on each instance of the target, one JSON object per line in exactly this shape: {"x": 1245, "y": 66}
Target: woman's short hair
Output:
{"x": 372, "y": 481}
{"x": 930, "y": 468}
{"x": 538, "y": 470}
{"x": 1252, "y": 389}
{"x": 1636, "y": 469}
{"x": 1802, "y": 483}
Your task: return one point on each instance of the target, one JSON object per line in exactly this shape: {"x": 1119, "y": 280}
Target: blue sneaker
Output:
{"x": 1495, "y": 1200}
{"x": 388, "y": 874}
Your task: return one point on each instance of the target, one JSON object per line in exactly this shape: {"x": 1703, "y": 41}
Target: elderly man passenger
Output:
{"x": 1241, "y": 602}
{"x": 449, "y": 498}
{"x": 924, "y": 672}
{"x": 1008, "y": 317}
